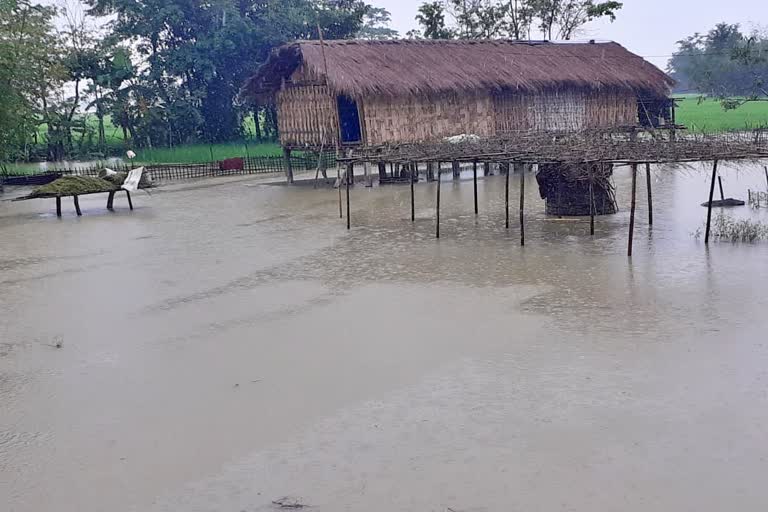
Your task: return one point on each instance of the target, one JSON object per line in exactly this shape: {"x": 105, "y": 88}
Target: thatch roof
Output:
{"x": 427, "y": 67}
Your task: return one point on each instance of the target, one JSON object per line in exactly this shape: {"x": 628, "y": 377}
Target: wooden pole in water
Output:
{"x": 522, "y": 206}
{"x": 650, "y": 193}
{"x": 591, "y": 204}
{"x": 766, "y": 174}
{"x": 349, "y": 224}
{"x": 287, "y": 164}
{"x": 338, "y": 179}
{"x": 130, "y": 203}
{"x": 437, "y": 207}
{"x": 720, "y": 182}
{"x": 77, "y": 205}
{"x": 709, "y": 205}
{"x": 506, "y": 198}
{"x": 632, "y": 210}
{"x": 474, "y": 179}
{"x": 413, "y": 199}
{"x": 58, "y": 206}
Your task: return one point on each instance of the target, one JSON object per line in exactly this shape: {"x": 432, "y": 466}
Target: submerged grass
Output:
{"x": 727, "y": 229}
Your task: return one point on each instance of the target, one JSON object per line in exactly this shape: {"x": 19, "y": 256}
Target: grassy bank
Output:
{"x": 709, "y": 116}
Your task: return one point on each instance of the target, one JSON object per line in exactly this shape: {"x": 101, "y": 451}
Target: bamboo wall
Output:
{"x": 306, "y": 116}
{"x": 413, "y": 119}
{"x": 564, "y": 110}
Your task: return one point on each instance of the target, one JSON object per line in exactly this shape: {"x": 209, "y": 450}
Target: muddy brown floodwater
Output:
{"x": 229, "y": 343}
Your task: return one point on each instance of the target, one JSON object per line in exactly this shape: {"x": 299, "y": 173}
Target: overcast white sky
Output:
{"x": 647, "y": 27}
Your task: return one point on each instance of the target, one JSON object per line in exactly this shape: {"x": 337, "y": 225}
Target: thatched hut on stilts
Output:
{"x": 351, "y": 94}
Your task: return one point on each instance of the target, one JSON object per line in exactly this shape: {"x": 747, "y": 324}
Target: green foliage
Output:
{"x": 376, "y": 25}
{"x": 724, "y": 64}
{"x": 515, "y": 19}
{"x": 28, "y": 70}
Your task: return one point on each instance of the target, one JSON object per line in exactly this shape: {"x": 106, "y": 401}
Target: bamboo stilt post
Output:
{"x": 720, "y": 182}
{"x": 506, "y": 199}
{"x": 522, "y": 207}
{"x": 287, "y": 164}
{"x": 650, "y": 193}
{"x": 591, "y": 204}
{"x": 632, "y": 210}
{"x": 486, "y": 168}
{"x": 474, "y": 181}
{"x": 413, "y": 199}
{"x": 437, "y": 207}
{"x": 338, "y": 179}
{"x": 130, "y": 203}
{"x": 709, "y": 205}
{"x": 349, "y": 223}
{"x": 110, "y": 201}
{"x": 766, "y": 175}
{"x": 456, "y": 167}
{"x": 58, "y": 207}
{"x": 77, "y": 205}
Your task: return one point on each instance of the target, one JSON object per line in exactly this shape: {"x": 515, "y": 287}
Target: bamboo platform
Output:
{"x": 579, "y": 152}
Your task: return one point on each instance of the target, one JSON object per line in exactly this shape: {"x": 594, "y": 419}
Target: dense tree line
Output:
{"x": 724, "y": 63}
{"x": 166, "y": 72}
{"x": 514, "y": 19}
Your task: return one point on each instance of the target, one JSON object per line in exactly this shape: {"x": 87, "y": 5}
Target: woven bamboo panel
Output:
{"x": 416, "y": 119}
{"x": 564, "y": 110}
{"x": 306, "y": 116}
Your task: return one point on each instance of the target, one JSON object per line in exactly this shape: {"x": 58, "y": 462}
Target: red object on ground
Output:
{"x": 231, "y": 164}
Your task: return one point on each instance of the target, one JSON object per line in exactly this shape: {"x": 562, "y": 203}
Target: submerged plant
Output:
{"x": 728, "y": 229}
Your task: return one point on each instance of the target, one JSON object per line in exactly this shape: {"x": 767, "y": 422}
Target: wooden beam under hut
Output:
{"x": 77, "y": 205}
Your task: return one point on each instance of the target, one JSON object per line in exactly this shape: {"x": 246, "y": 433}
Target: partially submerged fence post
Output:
{"x": 632, "y": 210}
{"x": 437, "y": 206}
{"x": 287, "y": 165}
{"x": 709, "y": 205}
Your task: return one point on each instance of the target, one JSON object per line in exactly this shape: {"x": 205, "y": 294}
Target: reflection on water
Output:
{"x": 227, "y": 344}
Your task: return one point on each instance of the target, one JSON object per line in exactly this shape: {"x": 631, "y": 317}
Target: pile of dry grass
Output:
{"x": 74, "y": 186}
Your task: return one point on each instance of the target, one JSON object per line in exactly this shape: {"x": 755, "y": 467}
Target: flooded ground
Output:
{"x": 229, "y": 343}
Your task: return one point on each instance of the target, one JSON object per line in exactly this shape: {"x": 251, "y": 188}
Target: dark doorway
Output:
{"x": 349, "y": 120}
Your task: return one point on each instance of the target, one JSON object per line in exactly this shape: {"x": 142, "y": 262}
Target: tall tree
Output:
{"x": 29, "y": 69}
{"x": 376, "y": 23}
{"x": 515, "y": 19}
{"x": 724, "y": 64}
{"x": 431, "y": 18}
